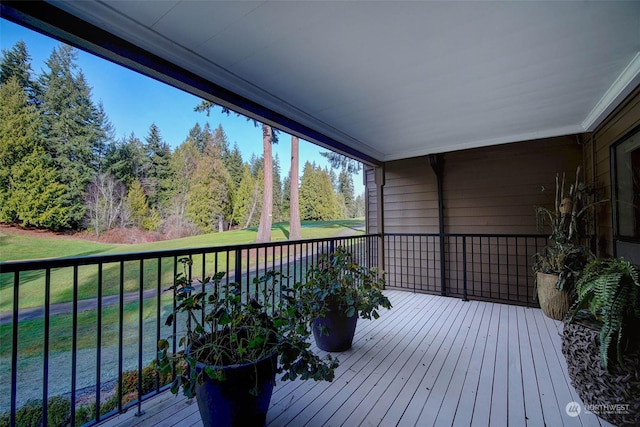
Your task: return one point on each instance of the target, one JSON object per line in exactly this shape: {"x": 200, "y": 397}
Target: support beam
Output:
{"x": 437, "y": 164}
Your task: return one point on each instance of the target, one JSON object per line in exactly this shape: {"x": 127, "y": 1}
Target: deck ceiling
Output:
{"x": 395, "y": 79}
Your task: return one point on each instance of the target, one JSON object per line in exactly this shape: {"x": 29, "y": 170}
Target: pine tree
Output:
{"x": 182, "y": 166}
{"x": 245, "y": 199}
{"x": 126, "y": 160}
{"x": 277, "y": 191}
{"x": 317, "y": 199}
{"x": 235, "y": 165}
{"x": 16, "y": 62}
{"x": 309, "y": 190}
{"x": 208, "y": 205}
{"x": 30, "y": 193}
{"x": 345, "y": 188}
{"x": 74, "y": 128}
{"x": 269, "y": 136}
{"x": 141, "y": 215}
{"x": 158, "y": 171}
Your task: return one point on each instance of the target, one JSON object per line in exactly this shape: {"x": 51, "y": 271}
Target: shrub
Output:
{"x": 58, "y": 411}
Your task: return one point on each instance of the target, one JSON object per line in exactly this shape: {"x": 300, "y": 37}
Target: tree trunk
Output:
{"x": 253, "y": 206}
{"x": 294, "y": 204}
{"x": 264, "y": 229}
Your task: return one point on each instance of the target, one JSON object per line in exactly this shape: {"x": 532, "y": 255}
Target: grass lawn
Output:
{"x": 32, "y": 283}
{"x": 32, "y": 294}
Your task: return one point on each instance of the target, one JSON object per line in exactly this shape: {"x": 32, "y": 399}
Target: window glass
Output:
{"x": 627, "y": 191}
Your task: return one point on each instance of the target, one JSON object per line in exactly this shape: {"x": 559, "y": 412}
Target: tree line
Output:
{"x": 61, "y": 166}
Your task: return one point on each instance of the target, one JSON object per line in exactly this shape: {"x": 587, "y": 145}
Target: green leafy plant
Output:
{"x": 566, "y": 254}
{"x": 609, "y": 289}
{"x": 337, "y": 280}
{"x": 223, "y": 327}
{"x": 30, "y": 414}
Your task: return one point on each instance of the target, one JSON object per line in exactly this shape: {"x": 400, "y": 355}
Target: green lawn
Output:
{"x": 32, "y": 284}
{"x": 32, "y": 290}
{"x": 17, "y": 247}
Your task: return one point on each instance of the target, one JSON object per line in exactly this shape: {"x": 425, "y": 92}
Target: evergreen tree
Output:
{"x": 235, "y": 165}
{"x": 309, "y": 190}
{"x": 36, "y": 194}
{"x": 269, "y": 136}
{"x": 16, "y": 62}
{"x": 30, "y": 193}
{"x": 208, "y": 205}
{"x": 182, "y": 166}
{"x": 158, "y": 171}
{"x": 126, "y": 160}
{"x": 141, "y": 215}
{"x": 317, "y": 198}
{"x": 246, "y": 199}
{"x": 345, "y": 188}
{"x": 196, "y": 135}
{"x": 340, "y": 161}
{"x": 277, "y": 191}
{"x": 74, "y": 128}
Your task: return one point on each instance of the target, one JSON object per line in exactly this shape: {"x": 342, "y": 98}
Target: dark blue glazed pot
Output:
{"x": 341, "y": 330}
{"x": 230, "y": 402}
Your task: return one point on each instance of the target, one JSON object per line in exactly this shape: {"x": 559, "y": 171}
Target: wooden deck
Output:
{"x": 429, "y": 361}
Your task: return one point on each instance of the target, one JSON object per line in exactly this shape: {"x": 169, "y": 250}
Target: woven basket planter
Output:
{"x": 600, "y": 390}
{"x": 553, "y": 302}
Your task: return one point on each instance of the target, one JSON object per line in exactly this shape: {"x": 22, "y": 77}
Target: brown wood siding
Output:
{"x": 486, "y": 191}
{"x": 410, "y": 197}
{"x": 621, "y": 121}
{"x": 493, "y": 190}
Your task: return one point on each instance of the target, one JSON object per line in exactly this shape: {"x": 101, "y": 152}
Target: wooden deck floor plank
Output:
{"x": 482, "y": 405}
{"x": 421, "y": 360}
{"x": 398, "y": 299}
{"x": 444, "y": 379}
{"x": 550, "y": 405}
{"x": 429, "y": 361}
{"x": 531, "y": 392}
{"x": 411, "y": 360}
{"x": 434, "y": 359}
{"x": 500, "y": 391}
{"x": 373, "y": 390}
{"x": 324, "y": 407}
{"x": 515, "y": 392}
{"x": 463, "y": 412}
{"x": 305, "y": 395}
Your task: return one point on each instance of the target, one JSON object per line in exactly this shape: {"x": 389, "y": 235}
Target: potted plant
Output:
{"x": 233, "y": 346}
{"x": 560, "y": 263}
{"x": 338, "y": 290}
{"x": 601, "y": 343}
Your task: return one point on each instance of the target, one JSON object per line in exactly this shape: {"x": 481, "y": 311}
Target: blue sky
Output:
{"x": 133, "y": 102}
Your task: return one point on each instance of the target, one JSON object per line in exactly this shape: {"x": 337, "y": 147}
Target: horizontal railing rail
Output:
{"x": 79, "y": 333}
{"x": 491, "y": 267}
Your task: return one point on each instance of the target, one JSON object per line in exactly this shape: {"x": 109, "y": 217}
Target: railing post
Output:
{"x": 238, "y": 266}
{"x": 464, "y": 268}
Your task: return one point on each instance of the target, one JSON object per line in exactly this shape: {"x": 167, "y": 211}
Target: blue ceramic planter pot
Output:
{"x": 340, "y": 327}
{"x": 230, "y": 402}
